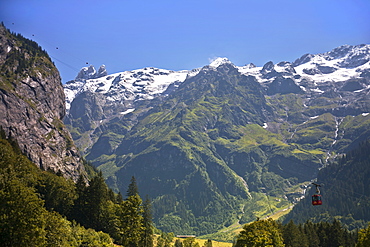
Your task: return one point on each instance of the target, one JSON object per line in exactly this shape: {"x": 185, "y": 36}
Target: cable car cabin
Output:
{"x": 316, "y": 200}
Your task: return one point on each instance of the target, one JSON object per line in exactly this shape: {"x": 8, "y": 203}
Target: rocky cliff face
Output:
{"x": 32, "y": 105}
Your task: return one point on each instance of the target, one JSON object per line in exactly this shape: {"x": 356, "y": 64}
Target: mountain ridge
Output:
{"x": 142, "y": 84}
{"x": 215, "y": 141}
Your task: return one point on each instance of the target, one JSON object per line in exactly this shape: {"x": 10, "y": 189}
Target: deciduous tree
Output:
{"x": 260, "y": 233}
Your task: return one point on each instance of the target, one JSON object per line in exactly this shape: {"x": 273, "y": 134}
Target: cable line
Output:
{"x": 66, "y": 64}
{"x": 58, "y": 48}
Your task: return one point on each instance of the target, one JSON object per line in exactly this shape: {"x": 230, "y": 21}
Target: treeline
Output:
{"x": 41, "y": 208}
{"x": 31, "y": 46}
{"x": 272, "y": 233}
{"x": 345, "y": 190}
{"x": 25, "y": 58}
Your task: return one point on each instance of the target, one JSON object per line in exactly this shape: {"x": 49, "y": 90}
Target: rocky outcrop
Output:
{"x": 32, "y": 105}
{"x": 90, "y": 73}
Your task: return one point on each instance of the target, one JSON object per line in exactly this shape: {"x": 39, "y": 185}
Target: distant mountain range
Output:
{"x": 223, "y": 143}
{"x": 339, "y": 65}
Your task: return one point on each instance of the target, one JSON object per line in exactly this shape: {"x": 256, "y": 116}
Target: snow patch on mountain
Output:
{"x": 140, "y": 84}
{"x": 215, "y": 63}
{"x": 127, "y": 111}
{"x": 310, "y": 73}
{"x": 340, "y": 64}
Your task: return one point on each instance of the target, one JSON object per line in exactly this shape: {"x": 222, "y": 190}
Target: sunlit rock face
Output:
{"x": 32, "y": 106}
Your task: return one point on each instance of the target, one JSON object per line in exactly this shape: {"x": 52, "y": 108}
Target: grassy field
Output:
{"x": 226, "y": 236}
{"x": 214, "y": 243}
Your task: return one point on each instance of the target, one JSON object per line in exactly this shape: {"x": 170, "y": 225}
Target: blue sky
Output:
{"x": 179, "y": 34}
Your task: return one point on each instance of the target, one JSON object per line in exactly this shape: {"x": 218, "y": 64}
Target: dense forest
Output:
{"x": 345, "y": 189}
{"x": 41, "y": 208}
{"x": 272, "y": 233}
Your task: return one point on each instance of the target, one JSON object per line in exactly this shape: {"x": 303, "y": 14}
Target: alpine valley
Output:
{"x": 221, "y": 144}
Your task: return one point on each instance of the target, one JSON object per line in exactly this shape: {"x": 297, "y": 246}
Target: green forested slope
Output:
{"x": 345, "y": 190}
{"x": 41, "y": 208}
{"x": 202, "y": 152}
{"x": 34, "y": 205}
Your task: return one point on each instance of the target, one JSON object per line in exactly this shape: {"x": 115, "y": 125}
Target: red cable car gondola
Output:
{"x": 316, "y": 198}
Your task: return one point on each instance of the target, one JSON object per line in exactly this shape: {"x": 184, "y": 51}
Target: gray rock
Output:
{"x": 32, "y": 106}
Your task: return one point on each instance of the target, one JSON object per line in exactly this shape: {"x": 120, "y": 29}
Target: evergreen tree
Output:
{"x": 97, "y": 195}
{"x": 2, "y": 133}
{"x": 147, "y": 238}
{"x": 335, "y": 234}
{"x": 293, "y": 237}
{"x": 164, "y": 240}
{"x": 131, "y": 221}
{"x": 160, "y": 242}
{"x": 110, "y": 221}
{"x": 132, "y": 188}
{"x": 79, "y": 212}
{"x": 111, "y": 196}
{"x": 310, "y": 231}
{"x": 58, "y": 193}
{"x": 119, "y": 198}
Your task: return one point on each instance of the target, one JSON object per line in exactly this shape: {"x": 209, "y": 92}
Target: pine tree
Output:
{"x": 131, "y": 221}
{"x": 132, "y": 188}
{"x": 79, "y": 212}
{"x": 58, "y": 193}
{"x": 335, "y": 234}
{"x": 147, "y": 238}
{"x": 293, "y": 237}
{"x": 160, "y": 242}
{"x": 119, "y": 198}
{"x": 97, "y": 195}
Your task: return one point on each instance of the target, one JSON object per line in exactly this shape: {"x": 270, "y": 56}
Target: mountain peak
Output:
{"x": 102, "y": 71}
{"x": 219, "y": 61}
{"x": 91, "y": 73}
{"x": 345, "y": 56}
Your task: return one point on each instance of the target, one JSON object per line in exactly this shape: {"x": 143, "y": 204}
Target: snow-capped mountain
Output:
{"x": 340, "y": 64}
{"x": 90, "y": 73}
{"x": 222, "y": 130}
{"x": 312, "y": 74}
{"x": 316, "y": 74}
{"x": 136, "y": 85}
